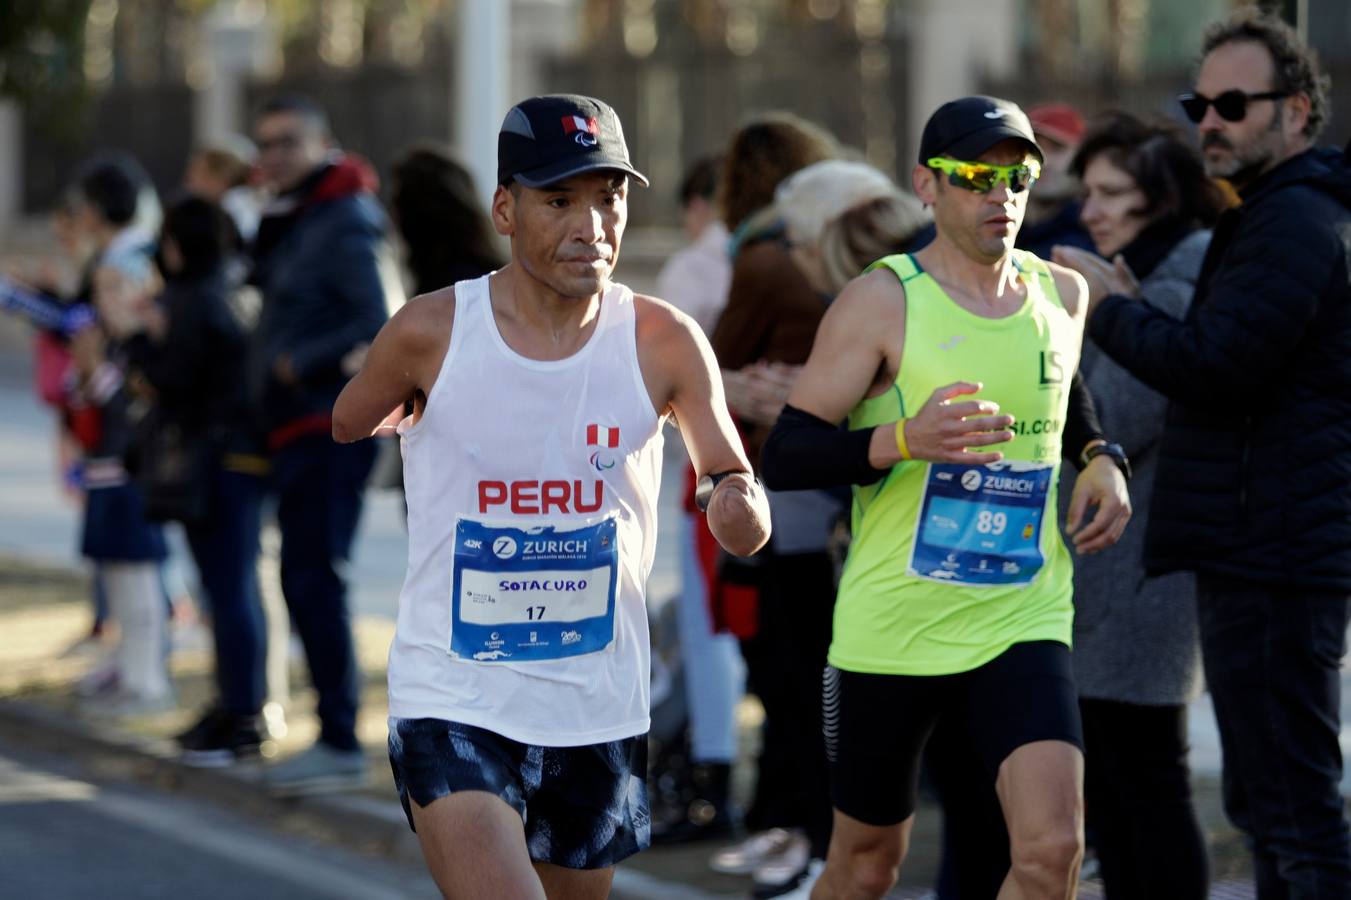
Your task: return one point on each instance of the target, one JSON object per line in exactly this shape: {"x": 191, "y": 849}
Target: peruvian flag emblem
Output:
{"x": 602, "y": 436}
{"x": 575, "y": 124}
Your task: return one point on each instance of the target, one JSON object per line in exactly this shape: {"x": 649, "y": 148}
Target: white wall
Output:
{"x": 953, "y": 44}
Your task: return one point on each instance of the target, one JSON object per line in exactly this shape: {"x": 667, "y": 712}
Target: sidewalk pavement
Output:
{"x": 45, "y": 610}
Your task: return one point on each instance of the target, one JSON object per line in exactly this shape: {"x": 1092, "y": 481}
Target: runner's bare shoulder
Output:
{"x": 873, "y": 304}
{"x": 1071, "y": 286}
{"x": 878, "y": 291}
{"x": 428, "y": 317}
{"x": 421, "y": 331}
{"x": 671, "y": 348}
{"x": 660, "y": 321}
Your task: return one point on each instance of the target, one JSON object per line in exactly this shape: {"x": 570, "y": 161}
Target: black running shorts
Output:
{"x": 583, "y": 807}
{"x": 876, "y": 725}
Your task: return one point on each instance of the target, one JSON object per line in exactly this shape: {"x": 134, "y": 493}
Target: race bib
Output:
{"x": 532, "y": 594}
{"x": 981, "y": 525}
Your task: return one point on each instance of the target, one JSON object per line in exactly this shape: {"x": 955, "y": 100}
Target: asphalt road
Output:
{"x": 67, "y": 834}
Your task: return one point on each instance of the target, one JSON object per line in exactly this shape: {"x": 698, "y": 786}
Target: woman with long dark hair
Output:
{"x": 444, "y": 226}
{"x": 1136, "y": 656}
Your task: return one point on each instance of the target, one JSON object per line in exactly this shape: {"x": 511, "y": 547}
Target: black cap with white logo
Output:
{"x": 547, "y": 139}
{"x": 966, "y": 128}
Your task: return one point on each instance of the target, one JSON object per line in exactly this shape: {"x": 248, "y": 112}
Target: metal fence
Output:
{"x": 153, "y": 123}
{"x": 675, "y": 109}
{"x": 688, "y": 103}
{"x": 376, "y": 112}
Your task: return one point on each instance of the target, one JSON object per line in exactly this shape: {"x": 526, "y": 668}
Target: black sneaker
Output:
{"x": 702, "y": 822}
{"x": 220, "y": 738}
{"x": 707, "y": 816}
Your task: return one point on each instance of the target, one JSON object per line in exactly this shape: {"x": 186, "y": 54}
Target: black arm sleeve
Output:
{"x": 1081, "y": 421}
{"x": 805, "y": 452}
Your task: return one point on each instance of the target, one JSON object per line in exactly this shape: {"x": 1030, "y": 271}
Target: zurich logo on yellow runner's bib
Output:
{"x": 981, "y": 525}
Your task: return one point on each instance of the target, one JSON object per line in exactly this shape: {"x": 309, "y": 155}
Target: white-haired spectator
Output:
{"x": 842, "y": 215}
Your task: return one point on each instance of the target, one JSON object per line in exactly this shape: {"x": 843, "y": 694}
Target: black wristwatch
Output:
{"x": 703, "y": 490}
{"x": 1115, "y": 451}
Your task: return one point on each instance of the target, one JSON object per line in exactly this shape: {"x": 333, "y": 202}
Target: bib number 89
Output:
{"x": 991, "y": 522}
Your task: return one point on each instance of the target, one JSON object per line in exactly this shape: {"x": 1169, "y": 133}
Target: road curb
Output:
{"x": 362, "y": 823}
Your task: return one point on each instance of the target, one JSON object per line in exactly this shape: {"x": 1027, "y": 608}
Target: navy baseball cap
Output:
{"x": 547, "y": 139}
{"x": 966, "y": 128}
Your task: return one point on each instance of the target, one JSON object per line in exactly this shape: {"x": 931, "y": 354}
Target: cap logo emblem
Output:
{"x": 573, "y": 124}
{"x": 995, "y": 114}
{"x": 583, "y": 131}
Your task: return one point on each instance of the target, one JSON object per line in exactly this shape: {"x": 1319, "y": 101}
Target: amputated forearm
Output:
{"x": 738, "y": 516}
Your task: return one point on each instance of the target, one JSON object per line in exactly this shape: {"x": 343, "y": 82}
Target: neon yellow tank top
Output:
{"x": 950, "y": 565}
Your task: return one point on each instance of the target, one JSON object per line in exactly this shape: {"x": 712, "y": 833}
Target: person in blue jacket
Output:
{"x": 319, "y": 262}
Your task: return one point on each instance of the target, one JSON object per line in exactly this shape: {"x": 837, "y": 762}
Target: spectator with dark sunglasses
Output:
{"x": 1252, "y": 491}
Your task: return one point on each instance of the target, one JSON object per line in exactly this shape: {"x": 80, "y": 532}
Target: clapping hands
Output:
{"x": 758, "y": 392}
{"x": 1104, "y": 278}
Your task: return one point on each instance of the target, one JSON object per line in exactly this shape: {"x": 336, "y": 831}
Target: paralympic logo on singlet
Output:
{"x": 603, "y": 437}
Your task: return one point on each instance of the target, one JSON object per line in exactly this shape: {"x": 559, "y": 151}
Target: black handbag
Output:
{"x": 173, "y": 471}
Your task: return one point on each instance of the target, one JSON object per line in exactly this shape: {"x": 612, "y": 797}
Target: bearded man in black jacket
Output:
{"x": 1254, "y": 477}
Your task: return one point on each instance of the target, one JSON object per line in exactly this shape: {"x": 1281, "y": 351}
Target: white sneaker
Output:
{"x": 803, "y": 889}
{"x": 319, "y": 769}
{"x": 783, "y": 867}
{"x": 745, "y": 857}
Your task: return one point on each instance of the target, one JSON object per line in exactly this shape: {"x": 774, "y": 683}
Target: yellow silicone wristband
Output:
{"x": 900, "y": 439}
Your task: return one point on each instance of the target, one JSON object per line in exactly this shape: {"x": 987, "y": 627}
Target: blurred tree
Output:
{"x": 41, "y": 61}
{"x": 1128, "y": 20}
{"x": 322, "y": 34}
{"x": 1054, "y": 58}
{"x": 41, "y": 48}
{"x": 743, "y": 26}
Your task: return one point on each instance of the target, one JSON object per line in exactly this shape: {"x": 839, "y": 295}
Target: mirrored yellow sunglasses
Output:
{"x": 982, "y": 177}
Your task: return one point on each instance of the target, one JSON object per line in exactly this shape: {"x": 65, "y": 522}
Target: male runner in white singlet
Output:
{"x": 518, "y": 677}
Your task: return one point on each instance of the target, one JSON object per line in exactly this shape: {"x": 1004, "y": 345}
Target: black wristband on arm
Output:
{"x": 1081, "y": 422}
{"x": 805, "y": 452}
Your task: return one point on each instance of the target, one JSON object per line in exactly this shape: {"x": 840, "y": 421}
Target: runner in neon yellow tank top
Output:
{"x": 951, "y": 564}
{"x": 953, "y": 368}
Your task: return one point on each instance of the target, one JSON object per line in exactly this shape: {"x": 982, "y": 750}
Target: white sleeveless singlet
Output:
{"x": 532, "y": 490}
